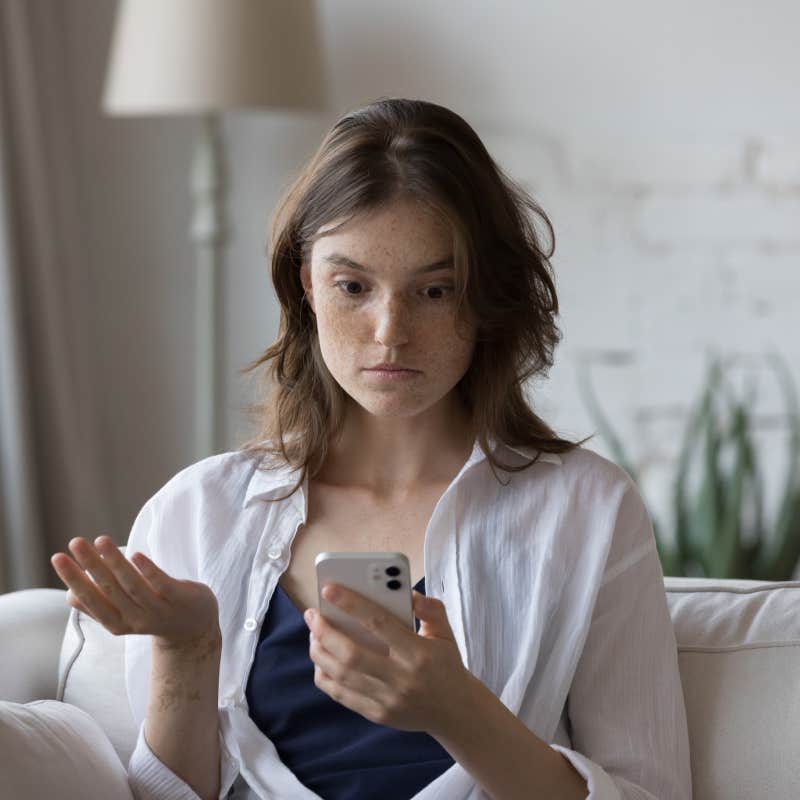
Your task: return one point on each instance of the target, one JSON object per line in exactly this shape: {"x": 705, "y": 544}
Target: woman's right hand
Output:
{"x": 136, "y": 596}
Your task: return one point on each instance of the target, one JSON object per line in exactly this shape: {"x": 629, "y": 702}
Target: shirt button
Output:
{"x": 250, "y": 624}
{"x": 274, "y": 553}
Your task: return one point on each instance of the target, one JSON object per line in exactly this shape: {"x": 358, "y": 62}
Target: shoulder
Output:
{"x": 198, "y": 508}
{"x": 584, "y": 489}
{"x": 588, "y": 467}
{"x": 605, "y": 499}
{"x": 223, "y": 476}
{"x": 580, "y": 471}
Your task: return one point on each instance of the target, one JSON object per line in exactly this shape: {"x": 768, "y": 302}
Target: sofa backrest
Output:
{"x": 91, "y": 676}
{"x": 739, "y": 656}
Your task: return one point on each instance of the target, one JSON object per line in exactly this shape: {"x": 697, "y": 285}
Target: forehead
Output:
{"x": 406, "y": 230}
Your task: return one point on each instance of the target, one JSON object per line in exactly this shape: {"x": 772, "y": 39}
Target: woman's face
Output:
{"x": 400, "y": 308}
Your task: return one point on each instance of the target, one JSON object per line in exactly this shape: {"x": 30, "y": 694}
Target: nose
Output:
{"x": 393, "y": 323}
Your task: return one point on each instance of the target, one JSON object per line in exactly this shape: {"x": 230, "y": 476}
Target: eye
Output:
{"x": 438, "y": 289}
{"x": 349, "y": 284}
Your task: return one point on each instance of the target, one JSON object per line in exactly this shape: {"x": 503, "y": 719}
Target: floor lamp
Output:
{"x": 203, "y": 57}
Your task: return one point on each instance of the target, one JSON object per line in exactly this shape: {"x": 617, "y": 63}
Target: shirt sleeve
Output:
{"x": 151, "y": 779}
{"x": 148, "y": 777}
{"x": 626, "y": 706}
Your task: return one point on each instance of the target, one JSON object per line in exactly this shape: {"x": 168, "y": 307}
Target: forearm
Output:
{"x": 507, "y": 759}
{"x": 182, "y": 726}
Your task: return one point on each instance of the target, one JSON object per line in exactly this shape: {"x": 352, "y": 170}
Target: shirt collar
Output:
{"x": 269, "y": 481}
{"x": 265, "y": 484}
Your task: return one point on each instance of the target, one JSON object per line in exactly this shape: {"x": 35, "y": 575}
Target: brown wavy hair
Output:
{"x": 397, "y": 148}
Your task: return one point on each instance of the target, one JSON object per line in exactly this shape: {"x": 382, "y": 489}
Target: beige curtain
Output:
{"x": 51, "y": 476}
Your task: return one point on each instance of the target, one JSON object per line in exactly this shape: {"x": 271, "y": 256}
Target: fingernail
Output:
{"x": 309, "y": 615}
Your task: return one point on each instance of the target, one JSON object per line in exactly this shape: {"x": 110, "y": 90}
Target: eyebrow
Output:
{"x": 339, "y": 260}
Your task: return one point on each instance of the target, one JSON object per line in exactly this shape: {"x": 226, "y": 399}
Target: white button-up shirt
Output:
{"x": 551, "y": 582}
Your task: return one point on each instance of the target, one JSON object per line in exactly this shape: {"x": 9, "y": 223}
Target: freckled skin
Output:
{"x": 392, "y": 315}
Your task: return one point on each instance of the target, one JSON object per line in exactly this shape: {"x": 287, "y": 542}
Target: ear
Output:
{"x": 305, "y": 279}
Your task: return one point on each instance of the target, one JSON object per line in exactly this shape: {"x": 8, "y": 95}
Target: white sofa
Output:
{"x": 738, "y": 647}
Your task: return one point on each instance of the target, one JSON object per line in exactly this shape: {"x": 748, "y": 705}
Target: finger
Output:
{"x": 350, "y": 653}
{"x": 84, "y": 590}
{"x": 359, "y": 669}
{"x": 361, "y": 704}
{"x": 133, "y": 575}
{"x": 76, "y": 604}
{"x": 160, "y": 582}
{"x": 99, "y": 570}
{"x": 374, "y": 617}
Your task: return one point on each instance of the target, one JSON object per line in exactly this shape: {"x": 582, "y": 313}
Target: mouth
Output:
{"x": 394, "y": 373}
{"x": 390, "y": 368}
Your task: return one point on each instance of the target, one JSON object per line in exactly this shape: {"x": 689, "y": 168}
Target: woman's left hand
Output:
{"x": 413, "y": 686}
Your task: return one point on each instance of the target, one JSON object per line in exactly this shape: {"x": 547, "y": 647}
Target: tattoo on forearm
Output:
{"x": 173, "y": 693}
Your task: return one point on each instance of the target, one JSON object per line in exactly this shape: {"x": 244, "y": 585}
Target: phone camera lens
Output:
{"x": 392, "y": 570}
{"x": 394, "y": 584}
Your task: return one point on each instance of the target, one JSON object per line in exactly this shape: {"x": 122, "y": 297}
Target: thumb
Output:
{"x": 433, "y": 617}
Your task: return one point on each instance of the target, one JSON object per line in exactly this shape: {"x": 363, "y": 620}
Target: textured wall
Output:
{"x": 671, "y": 250}
{"x": 663, "y": 141}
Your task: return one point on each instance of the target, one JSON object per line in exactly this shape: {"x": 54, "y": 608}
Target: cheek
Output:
{"x": 340, "y": 333}
{"x": 444, "y": 347}
{"x": 336, "y": 323}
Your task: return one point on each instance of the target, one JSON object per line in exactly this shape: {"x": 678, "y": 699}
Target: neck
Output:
{"x": 400, "y": 455}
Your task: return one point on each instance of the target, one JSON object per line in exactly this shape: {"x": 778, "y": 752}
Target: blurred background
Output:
{"x": 662, "y": 140}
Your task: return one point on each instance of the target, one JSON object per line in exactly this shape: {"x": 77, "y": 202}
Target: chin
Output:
{"x": 391, "y": 410}
{"x": 388, "y": 405}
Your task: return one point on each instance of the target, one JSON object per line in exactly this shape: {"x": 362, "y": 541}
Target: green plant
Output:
{"x": 719, "y": 527}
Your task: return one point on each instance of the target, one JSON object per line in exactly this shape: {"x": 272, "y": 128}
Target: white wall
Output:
{"x": 663, "y": 140}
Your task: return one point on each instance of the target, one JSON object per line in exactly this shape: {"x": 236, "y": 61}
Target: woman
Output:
{"x": 416, "y": 299}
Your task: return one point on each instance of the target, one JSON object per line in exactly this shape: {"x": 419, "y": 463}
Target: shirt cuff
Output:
{"x": 598, "y": 781}
{"x": 229, "y": 768}
{"x": 151, "y": 779}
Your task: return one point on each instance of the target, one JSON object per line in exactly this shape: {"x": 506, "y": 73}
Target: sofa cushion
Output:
{"x": 739, "y": 656}
{"x": 52, "y": 749}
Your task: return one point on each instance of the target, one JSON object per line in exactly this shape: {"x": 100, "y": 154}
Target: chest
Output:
{"x": 341, "y": 520}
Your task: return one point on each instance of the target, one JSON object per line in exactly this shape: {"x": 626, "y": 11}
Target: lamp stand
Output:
{"x": 208, "y": 235}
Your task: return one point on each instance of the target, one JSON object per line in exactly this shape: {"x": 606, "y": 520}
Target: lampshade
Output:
{"x": 198, "y": 56}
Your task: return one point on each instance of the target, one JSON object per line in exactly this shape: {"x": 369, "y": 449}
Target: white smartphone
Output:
{"x": 384, "y": 578}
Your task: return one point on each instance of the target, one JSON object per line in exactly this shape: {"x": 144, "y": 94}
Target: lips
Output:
{"x": 391, "y": 368}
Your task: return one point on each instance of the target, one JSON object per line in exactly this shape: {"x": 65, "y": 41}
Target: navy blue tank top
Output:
{"x": 332, "y": 750}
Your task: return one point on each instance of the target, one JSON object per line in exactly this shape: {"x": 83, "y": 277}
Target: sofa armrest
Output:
{"x": 32, "y": 625}
{"x": 54, "y": 750}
